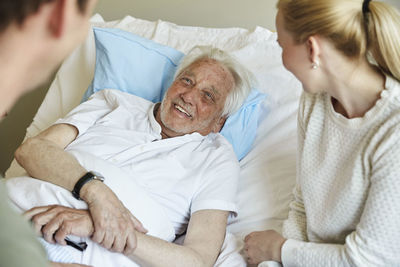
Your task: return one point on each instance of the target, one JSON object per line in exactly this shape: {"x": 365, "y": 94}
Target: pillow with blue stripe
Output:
{"x": 136, "y": 65}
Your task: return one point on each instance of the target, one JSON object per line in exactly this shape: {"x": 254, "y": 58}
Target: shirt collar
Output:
{"x": 155, "y": 126}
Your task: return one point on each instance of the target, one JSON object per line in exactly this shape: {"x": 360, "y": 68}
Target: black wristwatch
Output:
{"x": 89, "y": 176}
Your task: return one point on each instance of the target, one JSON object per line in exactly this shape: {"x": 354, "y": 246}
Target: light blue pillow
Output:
{"x": 140, "y": 66}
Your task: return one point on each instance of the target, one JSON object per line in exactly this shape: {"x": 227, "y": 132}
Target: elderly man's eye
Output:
{"x": 209, "y": 95}
{"x": 186, "y": 81}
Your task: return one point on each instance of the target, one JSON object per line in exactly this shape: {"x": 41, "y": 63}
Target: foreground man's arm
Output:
{"x": 44, "y": 158}
{"x": 203, "y": 242}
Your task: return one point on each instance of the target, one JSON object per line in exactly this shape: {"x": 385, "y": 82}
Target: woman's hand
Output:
{"x": 56, "y": 222}
{"x": 263, "y": 246}
{"x": 114, "y": 225}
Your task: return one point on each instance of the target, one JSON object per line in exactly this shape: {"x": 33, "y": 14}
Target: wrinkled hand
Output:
{"x": 58, "y": 264}
{"x": 56, "y": 222}
{"x": 263, "y": 246}
{"x": 114, "y": 225}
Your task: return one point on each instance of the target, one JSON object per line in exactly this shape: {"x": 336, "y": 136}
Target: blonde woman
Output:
{"x": 346, "y": 206}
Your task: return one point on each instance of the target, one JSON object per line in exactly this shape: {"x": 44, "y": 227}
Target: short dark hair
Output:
{"x": 17, "y": 10}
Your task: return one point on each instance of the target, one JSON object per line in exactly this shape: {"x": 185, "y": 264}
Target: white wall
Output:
{"x": 206, "y": 13}
{"x": 395, "y": 3}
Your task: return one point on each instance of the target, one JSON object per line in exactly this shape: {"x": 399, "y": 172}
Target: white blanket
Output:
{"x": 26, "y": 192}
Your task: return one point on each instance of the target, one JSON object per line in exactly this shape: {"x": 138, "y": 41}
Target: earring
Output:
{"x": 315, "y": 65}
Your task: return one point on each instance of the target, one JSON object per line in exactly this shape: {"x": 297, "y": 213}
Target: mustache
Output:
{"x": 188, "y": 108}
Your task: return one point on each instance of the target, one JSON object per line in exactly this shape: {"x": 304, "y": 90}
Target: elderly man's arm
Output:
{"x": 43, "y": 157}
{"x": 203, "y": 242}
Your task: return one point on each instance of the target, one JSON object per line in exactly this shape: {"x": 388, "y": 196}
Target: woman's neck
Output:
{"x": 356, "y": 89}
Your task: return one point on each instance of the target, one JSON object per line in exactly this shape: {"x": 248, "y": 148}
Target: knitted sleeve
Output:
{"x": 295, "y": 226}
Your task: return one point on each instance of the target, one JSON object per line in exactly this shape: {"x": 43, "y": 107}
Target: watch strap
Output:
{"x": 89, "y": 176}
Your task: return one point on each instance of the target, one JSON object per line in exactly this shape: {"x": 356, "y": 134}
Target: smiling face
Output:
{"x": 195, "y": 100}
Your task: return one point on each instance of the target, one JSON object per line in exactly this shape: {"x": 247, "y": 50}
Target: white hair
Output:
{"x": 243, "y": 78}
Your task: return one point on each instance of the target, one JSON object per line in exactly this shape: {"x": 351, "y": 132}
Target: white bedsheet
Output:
{"x": 26, "y": 192}
{"x": 268, "y": 171}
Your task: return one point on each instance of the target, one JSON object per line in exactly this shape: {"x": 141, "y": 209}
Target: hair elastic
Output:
{"x": 365, "y": 7}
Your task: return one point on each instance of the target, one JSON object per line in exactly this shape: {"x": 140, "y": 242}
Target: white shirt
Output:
{"x": 347, "y": 200}
{"x": 184, "y": 174}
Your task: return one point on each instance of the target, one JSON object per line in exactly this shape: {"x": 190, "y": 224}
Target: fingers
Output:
{"x": 138, "y": 225}
{"x": 103, "y": 237}
{"x": 249, "y": 256}
{"x": 62, "y": 232}
{"x": 56, "y": 222}
{"x": 108, "y": 240}
{"x": 114, "y": 225}
{"x": 49, "y": 230}
{"x": 247, "y": 238}
{"x": 98, "y": 235}
{"x": 247, "y": 249}
{"x": 119, "y": 243}
{"x": 32, "y": 212}
{"x": 122, "y": 242}
{"x": 131, "y": 244}
{"x": 40, "y": 216}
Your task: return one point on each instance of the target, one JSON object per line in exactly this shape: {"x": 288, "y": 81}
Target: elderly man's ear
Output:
{"x": 219, "y": 124}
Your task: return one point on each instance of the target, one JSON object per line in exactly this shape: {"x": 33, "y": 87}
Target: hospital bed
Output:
{"x": 267, "y": 171}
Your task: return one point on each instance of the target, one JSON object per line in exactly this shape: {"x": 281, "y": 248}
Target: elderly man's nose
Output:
{"x": 189, "y": 96}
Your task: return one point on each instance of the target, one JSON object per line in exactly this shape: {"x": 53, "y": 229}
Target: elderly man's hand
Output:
{"x": 56, "y": 222}
{"x": 114, "y": 225}
{"x": 263, "y": 246}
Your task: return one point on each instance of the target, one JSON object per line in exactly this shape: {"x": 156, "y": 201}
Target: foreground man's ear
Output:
{"x": 57, "y": 18}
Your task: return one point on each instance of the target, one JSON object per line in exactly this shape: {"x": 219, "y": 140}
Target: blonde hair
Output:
{"x": 375, "y": 33}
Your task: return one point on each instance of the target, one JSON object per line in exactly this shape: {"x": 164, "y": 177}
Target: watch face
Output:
{"x": 98, "y": 176}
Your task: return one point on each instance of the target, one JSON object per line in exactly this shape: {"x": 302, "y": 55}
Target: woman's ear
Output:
{"x": 314, "y": 49}
{"x": 57, "y": 18}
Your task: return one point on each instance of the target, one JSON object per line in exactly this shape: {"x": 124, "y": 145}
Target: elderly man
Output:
{"x": 35, "y": 36}
{"x": 171, "y": 149}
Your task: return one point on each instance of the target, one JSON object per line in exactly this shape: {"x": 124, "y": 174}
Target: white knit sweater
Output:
{"x": 346, "y": 210}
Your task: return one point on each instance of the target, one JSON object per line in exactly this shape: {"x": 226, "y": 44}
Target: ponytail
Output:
{"x": 383, "y": 33}
{"x": 355, "y": 27}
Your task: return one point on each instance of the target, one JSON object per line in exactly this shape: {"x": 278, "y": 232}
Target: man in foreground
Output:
{"x": 171, "y": 150}
{"x": 35, "y": 35}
